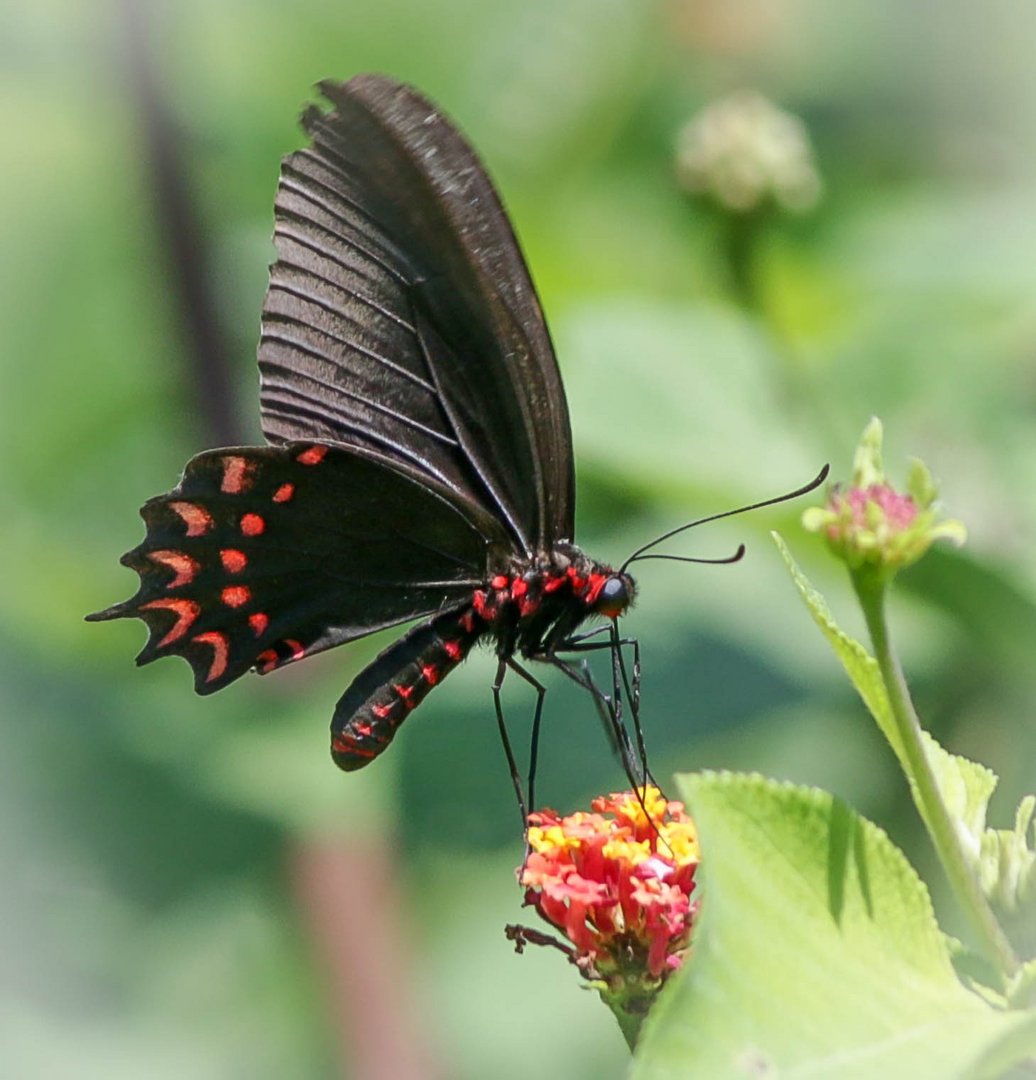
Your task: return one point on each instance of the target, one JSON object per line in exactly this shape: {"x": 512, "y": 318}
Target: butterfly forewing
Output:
{"x": 262, "y": 556}
{"x": 401, "y": 316}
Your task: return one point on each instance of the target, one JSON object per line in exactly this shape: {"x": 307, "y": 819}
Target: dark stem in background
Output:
{"x": 350, "y": 898}
{"x": 346, "y": 895}
{"x": 180, "y": 233}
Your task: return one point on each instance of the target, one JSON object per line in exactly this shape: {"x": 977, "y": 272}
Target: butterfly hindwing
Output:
{"x": 263, "y": 555}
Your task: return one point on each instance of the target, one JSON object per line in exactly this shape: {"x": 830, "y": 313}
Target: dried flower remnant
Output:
{"x": 871, "y": 525}
{"x": 617, "y": 882}
{"x": 744, "y": 154}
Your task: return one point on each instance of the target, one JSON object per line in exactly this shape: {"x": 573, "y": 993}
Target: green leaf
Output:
{"x": 817, "y": 954}
{"x": 965, "y": 785}
{"x": 1008, "y": 876}
{"x": 859, "y": 665}
{"x": 1004, "y": 860}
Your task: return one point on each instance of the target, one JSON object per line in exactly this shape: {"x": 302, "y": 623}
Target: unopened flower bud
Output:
{"x": 870, "y": 524}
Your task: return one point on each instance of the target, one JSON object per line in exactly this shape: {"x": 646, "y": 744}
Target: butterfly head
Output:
{"x": 615, "y": 595}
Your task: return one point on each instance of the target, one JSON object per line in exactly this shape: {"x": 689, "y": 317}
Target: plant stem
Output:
{"x": 629, "y": 1023}
{"x": 871, "y": 590}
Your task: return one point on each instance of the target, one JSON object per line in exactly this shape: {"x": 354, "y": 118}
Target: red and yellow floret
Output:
{"x": 617, "y": 882}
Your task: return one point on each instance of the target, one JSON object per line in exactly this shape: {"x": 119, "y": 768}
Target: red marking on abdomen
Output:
{"x": 342, "y": 744}
{"x": 184, "y": 565}
{"x": 236, "y": 595}
{"x": 527, "y": 605}
{"x": 197, "y": 519}
{"x": 430, "y": 673}
{"x": 483, "y": 608}
{"x": 284, "y": 493}
{"x": 381, "y": 711}
{"x": 499, "y": 582}
{"x": 252, "y": 525}
{"x": 259, "y": 621}
{"x": 221, "y": 650}
{"x": 233, "y": 561}
{"x": 454, "y": 649}
{"x": 236, "y": 476}
{"x": 313, "y": 456}
{"x": 186, "y": 612}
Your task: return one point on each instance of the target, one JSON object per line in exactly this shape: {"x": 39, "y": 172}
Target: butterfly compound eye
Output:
{"x": 614, "y": 597}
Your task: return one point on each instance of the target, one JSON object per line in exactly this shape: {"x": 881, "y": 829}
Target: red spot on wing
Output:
{"x": 499, "y": 582}
{"x": 259, "y": 621}
{"x": 313, "y": 456}
{"x": 552, "y": 584}
{"x": 236, "y": 595}
{"x": 236, "y": 475}
{"x": 186, "y": 612}
{"x": 197, "y": 519}
{"x": 233, "y": 561}
{"x": 454, "y": 650}
{"x": 186, "y": 568}
{"x": 519, "y": 587}
{"x": 298, "y": 650}
{"x": 266, "y": 661}
{"x": 220, "y": 649}
{"x": 284, "y": 493}
{"x": 252, "y": 525}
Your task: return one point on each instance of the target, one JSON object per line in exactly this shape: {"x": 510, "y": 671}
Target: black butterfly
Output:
{"x": 421, "y": 465}
{"x": 422, "y": 459}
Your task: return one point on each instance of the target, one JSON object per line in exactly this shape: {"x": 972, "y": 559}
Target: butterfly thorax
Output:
{"x": 535, "y": 605}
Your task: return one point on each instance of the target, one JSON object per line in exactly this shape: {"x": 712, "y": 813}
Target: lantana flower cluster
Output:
{"x": 617, "y": 882}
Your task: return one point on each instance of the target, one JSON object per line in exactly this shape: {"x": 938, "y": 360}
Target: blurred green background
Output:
{"x": 189, "y": 888}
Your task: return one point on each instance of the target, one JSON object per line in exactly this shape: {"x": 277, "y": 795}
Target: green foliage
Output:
{"x": 817, "y": 954}
{"x": 1002, "y": 861}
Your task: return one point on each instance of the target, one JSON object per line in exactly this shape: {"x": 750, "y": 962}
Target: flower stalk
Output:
{"x": 946, "y": 837}
{"x": 877, "y": 531}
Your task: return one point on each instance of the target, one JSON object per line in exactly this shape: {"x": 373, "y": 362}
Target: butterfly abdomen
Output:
{"x": 384, "y": 694}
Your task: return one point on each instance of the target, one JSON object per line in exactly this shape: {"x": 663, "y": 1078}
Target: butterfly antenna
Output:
{"x": 641, "y": 552}
{"x": 721, "y": 561}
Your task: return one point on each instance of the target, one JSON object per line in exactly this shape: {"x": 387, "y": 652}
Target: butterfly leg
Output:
{"x": 622, "y": 681}
{"x": 534, "y": 741}
{"x": 581, "y": 676}
{"x": 512, "y": 764}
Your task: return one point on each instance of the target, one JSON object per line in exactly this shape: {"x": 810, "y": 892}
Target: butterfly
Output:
{"x": 421, "y": 462}
{"x": 420, "y": 465}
